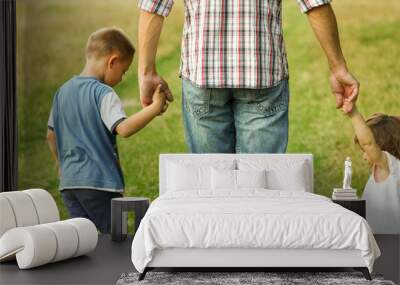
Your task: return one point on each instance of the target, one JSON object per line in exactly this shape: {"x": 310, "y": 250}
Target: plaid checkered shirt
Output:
{"x": 231, "y": 43}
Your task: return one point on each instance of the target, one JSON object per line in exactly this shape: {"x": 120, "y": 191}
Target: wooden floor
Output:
{"x": 110, "y": 260}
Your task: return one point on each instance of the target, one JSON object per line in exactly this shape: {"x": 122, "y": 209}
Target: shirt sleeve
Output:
{"x": 160, "y": 7}
{"x": 111, "y": 111}
{"x": 307, "y": 5}
{"x": 394, "y": 169}
{"x": 50, "y": 122}
{"x": 394, "y": 165}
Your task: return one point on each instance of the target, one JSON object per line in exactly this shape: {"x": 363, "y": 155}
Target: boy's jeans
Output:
{"x": 235, "y": 120}
{"x": 94, "y": 205}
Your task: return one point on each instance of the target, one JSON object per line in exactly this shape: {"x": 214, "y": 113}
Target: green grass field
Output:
{"x": 51, "y": 39}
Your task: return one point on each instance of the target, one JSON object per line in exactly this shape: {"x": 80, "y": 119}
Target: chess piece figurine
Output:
{"x": 347, "y": 174}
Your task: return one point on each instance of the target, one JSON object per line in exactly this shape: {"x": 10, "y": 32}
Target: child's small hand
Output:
{"x": 159, "y": 99}
{"x": 165, "y": 107}
{"x": 347, "y": 107}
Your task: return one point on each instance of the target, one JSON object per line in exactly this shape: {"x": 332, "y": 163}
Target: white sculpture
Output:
{"x": 347, "y": 174}
{"x": 346, "y": 192}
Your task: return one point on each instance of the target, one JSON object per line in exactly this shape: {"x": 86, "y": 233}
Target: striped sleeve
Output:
{"x": 160, "y": 7}
{"x": 307, "y": 5}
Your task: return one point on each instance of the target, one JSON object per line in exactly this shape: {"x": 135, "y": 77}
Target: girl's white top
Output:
{"x": 383, "y": 200}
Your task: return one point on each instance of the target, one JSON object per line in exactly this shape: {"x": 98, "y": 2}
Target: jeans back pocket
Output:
{"x": 196, "y": 100}
{"x": 270, "y": 101}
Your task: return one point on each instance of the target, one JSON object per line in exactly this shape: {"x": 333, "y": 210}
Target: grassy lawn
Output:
{"x": 51, "y": 39}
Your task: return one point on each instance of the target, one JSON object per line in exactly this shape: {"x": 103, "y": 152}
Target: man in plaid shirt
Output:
{"x": 234, "y": 70}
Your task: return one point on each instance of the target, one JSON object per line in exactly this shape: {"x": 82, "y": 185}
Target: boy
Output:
{"x": 84, "y": 120}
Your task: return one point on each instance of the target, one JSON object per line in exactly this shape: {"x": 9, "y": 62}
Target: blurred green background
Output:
{"x": 50, "y": 49}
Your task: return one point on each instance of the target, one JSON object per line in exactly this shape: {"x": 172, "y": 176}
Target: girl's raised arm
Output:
{"x": 368, "y": 144}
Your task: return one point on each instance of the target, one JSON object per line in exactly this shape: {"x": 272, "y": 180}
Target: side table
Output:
{"x": 119, "y": 218}
{"x": 357, "y": 206}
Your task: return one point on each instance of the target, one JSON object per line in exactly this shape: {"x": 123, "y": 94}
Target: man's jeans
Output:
{"x": 235, "y": 120}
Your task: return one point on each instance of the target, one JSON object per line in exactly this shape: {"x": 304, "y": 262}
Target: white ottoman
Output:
{"x": 31, "y": 232}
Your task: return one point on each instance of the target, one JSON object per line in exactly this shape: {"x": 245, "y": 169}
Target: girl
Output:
{"x": 379, "y": 139}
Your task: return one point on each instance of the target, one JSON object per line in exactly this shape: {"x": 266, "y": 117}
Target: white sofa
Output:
{"x": 31, "y": 231}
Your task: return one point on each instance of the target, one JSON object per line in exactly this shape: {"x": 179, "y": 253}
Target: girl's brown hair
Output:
{"x": 386, "y": 130}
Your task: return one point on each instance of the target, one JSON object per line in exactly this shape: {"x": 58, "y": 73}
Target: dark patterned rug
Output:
{"x": 243, "y": 278}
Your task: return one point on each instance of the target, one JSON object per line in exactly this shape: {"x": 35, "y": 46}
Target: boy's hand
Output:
{"x": 165, "y": 107}
{"x": 160, "y": 100}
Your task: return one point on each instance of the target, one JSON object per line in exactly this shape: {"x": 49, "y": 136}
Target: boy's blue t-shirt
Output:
{"x": 84, "y": 116}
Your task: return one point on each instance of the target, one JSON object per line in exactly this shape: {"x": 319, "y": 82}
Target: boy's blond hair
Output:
{"x": 386, "y": 130}
{"x": 108, "y": 40}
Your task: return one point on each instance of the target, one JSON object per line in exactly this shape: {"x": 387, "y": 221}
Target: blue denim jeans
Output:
{"x": 219, "y": 120}
{"x": 94, "y": 205}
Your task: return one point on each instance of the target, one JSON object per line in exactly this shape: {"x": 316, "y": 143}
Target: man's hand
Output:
{"x": 343, "y": 84}
{"x": 150, "y": 26}
{"x": 148, "y": 85}
{"x": 345, "y": 88}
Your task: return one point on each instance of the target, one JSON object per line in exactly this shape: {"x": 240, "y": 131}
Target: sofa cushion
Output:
{"x": 7, "y": 220}
{"x": 45, "y": 205}
{"x": 23, "y": 208}
{"x": 40, "y": 244}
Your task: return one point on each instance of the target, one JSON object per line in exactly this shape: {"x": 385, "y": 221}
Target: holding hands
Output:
{"x": 159, "y": 100}
{"x": 148, "y": 84}
{"x": 345, "y": 88}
